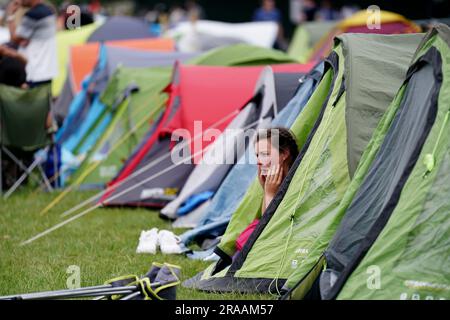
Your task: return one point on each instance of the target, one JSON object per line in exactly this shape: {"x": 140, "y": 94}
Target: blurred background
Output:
{"x": 290, "y": 12}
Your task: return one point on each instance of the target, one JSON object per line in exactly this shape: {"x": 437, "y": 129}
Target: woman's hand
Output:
{"x": 273, "y": 182}
{"x": 261, "y": 178}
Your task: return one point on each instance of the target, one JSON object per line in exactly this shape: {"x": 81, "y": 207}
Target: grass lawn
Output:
{"x": 102, "y": 244}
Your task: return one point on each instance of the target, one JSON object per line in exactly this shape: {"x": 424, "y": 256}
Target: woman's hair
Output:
{"x": 283, "y": 137}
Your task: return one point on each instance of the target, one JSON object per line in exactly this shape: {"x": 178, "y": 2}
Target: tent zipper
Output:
{"x": 430, "y": 158}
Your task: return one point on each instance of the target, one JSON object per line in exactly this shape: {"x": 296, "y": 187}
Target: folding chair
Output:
{"x": 23, "y": 116}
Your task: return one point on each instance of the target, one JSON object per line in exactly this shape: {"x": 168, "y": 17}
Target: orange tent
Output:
{"x": 84, "y": 57}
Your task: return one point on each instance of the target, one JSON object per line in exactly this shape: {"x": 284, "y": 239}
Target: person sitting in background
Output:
{"x": 276, "y": 150}
{"x": 36, "y": 38}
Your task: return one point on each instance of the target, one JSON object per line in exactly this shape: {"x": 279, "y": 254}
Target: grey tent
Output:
{"x": 121, "y": 28}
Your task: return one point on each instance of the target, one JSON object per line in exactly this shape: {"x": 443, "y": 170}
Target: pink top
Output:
{"x": 245, "y": 235}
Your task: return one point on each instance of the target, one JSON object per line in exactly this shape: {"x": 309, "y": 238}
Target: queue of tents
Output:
{"x": 369, "y": 189}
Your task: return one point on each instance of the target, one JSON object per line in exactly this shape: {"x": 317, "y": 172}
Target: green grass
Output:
{"x": 102, "y": 244}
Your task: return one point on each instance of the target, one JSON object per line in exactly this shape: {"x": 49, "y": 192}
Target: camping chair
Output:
{"x": 23, "y": 115}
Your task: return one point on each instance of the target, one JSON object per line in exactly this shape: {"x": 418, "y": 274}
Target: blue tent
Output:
{"x": 88, "y": 116}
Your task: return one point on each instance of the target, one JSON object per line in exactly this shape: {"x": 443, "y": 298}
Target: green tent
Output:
{"x": 306, "y": 36}
{"x": 131, "y": 120}
{"x": 242, "y": 55}
{"x": 66, "y": 39}
{"x": 392, "y": 228}
{"x": 369, "y": 69}
{"x": 134, "y": 117}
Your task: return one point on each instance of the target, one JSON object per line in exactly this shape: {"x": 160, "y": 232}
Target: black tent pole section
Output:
{"x": 97, "y": 291}
{"x": 104, "y": 289}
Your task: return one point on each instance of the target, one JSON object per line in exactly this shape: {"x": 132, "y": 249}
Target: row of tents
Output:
{"x": 366, "y": 197}
{"x": 367, "y": 189}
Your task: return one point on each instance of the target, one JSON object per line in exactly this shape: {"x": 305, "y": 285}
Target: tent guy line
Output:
{"x": 137, "y": 173}
{"x": 98, "y": 205}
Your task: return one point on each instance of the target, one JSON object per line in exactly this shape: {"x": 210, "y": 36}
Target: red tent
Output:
{"x": 211, "y": 95}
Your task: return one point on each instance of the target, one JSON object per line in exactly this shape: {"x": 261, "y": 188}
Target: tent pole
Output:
{"x": 81, "y": 292}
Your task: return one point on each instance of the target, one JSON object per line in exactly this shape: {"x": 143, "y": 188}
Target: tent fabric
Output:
{"x": 121, "y": 28}
{"x": 120, "y": 57}
{"x": 228, "y": 56}
{"x": 194, "y": 202}
{"x": 197, "y": 88}
{"x": 191, "y": 220}
{"x": 310, "y": 195}
{"x": 404, "y": 233}
{"x": 111, "y": 151}
{"x": 244, "y": 55}
{"x": 60, "y": 108}
{"x": 114, "y": 144}
{"x": 66, "y": 39}
{"x": 84, "y": 57}
{"x": 306, "y": 37}
{"x": 208, "y": 175}
{"x": 228, "y": 196}
{"x": 80, "y": 143}
{"x": 362, "y": 80}
{"x": 96, "y": 82}
{"x": 198, "y": 42}
{"x": 123, "y": 133}
{"x": 412, "y": 93}
{"x": 249, "y": 208}
{"x": 199, "y": 36}
{"x": 83, "y": 60}
{"x": 390, "y": 23}
{"x": 277, "y": 89}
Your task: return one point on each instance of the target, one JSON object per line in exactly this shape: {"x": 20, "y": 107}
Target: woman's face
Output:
{"x": 267, "y": 155}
